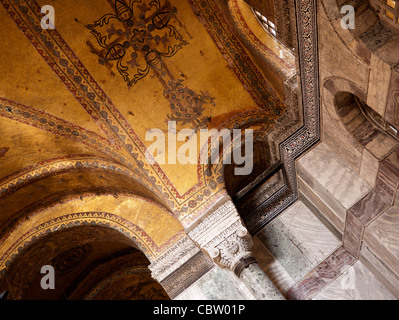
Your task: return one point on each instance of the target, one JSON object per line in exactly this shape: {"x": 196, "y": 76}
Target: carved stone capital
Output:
{"x": 223, "y": 236}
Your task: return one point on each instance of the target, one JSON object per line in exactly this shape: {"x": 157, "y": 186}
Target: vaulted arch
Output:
{"x": 87, "y": 259}
{"x": 116, "y": 225}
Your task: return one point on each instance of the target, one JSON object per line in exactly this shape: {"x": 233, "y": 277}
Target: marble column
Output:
{"x": 222, "y": 234}
{"x": 260, "y": 285}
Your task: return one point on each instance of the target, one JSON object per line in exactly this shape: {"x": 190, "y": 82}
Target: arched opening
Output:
{"x": 360, "y": 120}
{"x": 351, "y": 111}
{"x": 60, "y": 178}
{"x": 266, "y": 23}
{"x": 89, "y": 261}
{"x": 275, "y": 18}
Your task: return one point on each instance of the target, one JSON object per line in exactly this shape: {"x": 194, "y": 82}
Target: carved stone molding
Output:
{"x": 308, "y": 135}
{"x": 223, "y": 236}
{"x": 282, "y": 13}
{"x": 184, "y": 277}
{"x": 173, "y": 259}
{"x": 180, "y": 267}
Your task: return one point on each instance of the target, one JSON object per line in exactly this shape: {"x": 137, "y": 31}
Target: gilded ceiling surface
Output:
{"x": 77, "y": 102}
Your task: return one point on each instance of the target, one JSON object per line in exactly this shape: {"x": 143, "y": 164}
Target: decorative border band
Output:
{"x": 309, "y": 134}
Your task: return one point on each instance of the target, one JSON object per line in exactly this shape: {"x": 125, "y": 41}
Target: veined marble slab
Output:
{"x": 380, "y": 269}
{"x": 334, "y": 291}
{"x": 382, "y": 235}
{"x": 339, "y": 182}
{"x": 309, "y": 196}
{"x": 320, "y": 241}
{"x": 287, "y": 249}
{"x": 322, "y": 276}
{"x": 357, "y": 283}
{"x": 362, "y": 284}
{"x": 192, "y": 293}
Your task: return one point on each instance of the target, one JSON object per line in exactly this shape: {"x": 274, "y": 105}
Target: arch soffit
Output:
{"x": 146, "y": 224}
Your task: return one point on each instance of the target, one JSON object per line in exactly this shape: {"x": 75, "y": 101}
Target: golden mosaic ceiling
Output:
{"x": 77, "y": 102}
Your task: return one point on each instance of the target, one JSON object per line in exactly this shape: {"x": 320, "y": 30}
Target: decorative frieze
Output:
{"x": 184, "y": 277}
{"x": 173, "y": 258}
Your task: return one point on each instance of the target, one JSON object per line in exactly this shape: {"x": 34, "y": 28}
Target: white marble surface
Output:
{"x": 287, "y": 249}
{"x": 309, "y": 237}
{"x": 380, "y": 269}
{"x": 334, "y": 291}
{"x": 385, "y": 230}
{"x": 357, "y": 283}
{"x": 192, "y": 293}
{"x": 314, "y": 235}
{"x": 293, "y": 245}
{"x": 322, "y": 166}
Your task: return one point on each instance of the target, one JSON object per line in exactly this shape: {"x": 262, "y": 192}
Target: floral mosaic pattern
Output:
{"x": 138, "y": 37}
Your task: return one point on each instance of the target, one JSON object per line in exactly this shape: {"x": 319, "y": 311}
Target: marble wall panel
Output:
{"x": 287, "y": 249}
{"x": 310, "y": 230}
{"x": 338, "y": 182}
{"x": 389, "y": 172}
{"x": 360, "y": 49}
{"x": 324, "y": 274}
{"x": 392, "y": 164}
{"x": 340, "y": 142}
{"x": 392, "y": 111}
{"x": 321, "y": 216}
{"x": 380, "y": 144}
{"x": 383, "y": 237}
{"x": 373, "y": 203}
{"x": 356, "y": 283}
{"x": 363, "y": 132}
{"x": 362, "y": 284}
{"x": 369, "y": 167}
{"x": 332, "y": 64}
{"x": 380, "y": 77}
{"x": 334, "y": 291}
{"x": 389, "y": 53}
{"x": 334, "y": 85}
{"x": 352, "y": 244}
{"x": 336, "y": 220}
{"x": 380, "y": 269}
{"x": 353, "y": 234}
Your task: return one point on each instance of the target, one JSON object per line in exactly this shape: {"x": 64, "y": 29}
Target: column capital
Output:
{"x": 222, "y": 234}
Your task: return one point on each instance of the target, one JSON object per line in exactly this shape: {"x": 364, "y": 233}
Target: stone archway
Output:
{"x": 90, "y": 262}
{"x": 111, "y": 226}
